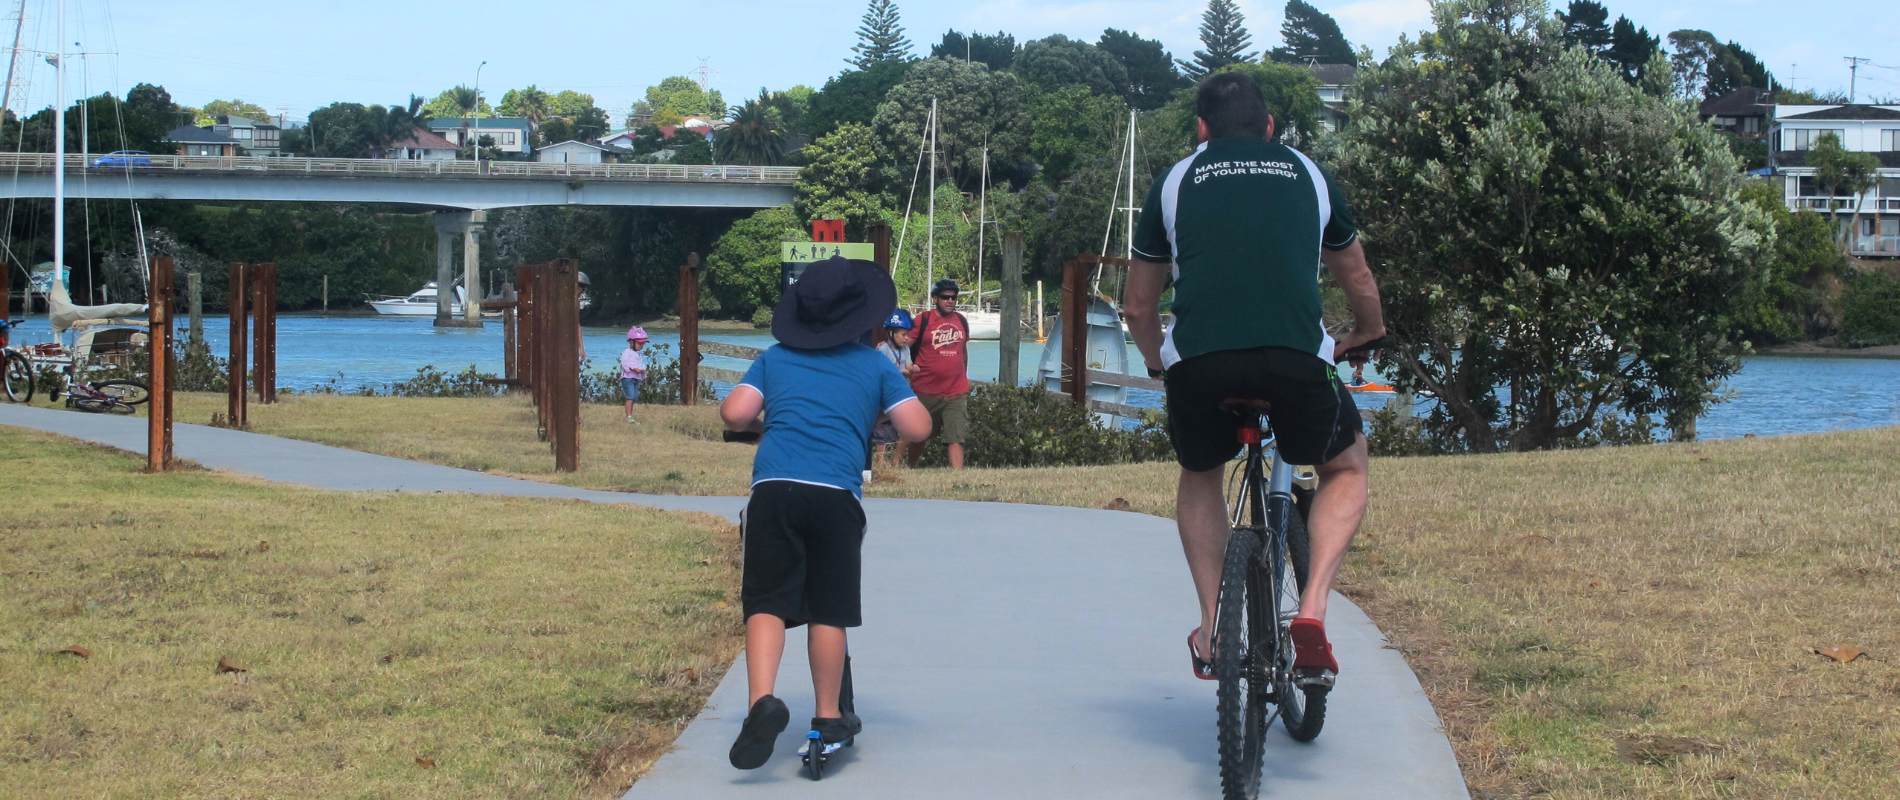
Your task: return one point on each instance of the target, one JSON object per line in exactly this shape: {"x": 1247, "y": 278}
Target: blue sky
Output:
{"x": 296, "y": 56}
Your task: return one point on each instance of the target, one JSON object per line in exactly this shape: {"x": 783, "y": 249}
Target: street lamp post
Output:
{"x": 476, "y": 113}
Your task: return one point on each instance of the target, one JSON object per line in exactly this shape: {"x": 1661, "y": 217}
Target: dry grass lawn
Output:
{"x": 1634, "y": 622}
{"x": 410, "y": 646}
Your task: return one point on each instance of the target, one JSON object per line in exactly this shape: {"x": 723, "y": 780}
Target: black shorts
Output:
{"x": 802, "y": 554}
{"x": 1313, "y": 416}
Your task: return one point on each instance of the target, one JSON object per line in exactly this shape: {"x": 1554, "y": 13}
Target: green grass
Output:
{"x": 520, "y": 647}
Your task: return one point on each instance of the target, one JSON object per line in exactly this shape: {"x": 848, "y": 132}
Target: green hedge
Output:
{"x": 1870, "y": 311}
{"x": 1031, "y": 427}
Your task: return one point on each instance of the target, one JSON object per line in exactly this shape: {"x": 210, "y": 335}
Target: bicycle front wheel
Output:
{"x": 1239, "y": 665}
{"x": 130, "y": 393}
{"x": 17, "y": 375}
{"x": 99, "y": 405}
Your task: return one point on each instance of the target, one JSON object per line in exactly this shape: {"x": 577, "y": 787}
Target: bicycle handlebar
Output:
{"x": 1366, "y": 349}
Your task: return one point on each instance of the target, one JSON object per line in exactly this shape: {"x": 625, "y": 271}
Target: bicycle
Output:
{"x": 16, "y": 370}
{"x": 115, "y": 397}
{"x": 1262, "y": 577}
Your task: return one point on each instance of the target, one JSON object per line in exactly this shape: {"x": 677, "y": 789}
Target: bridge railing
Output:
{"x": 239, "y": 165}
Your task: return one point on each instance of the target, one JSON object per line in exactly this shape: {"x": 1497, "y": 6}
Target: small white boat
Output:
{"x": 421, "y": 304}
{"x": 1106, "y": 351}
{"x": 984, "y": 325}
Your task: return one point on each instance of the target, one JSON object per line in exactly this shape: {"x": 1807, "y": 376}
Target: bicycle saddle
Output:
{"x": 1246, "y": 405}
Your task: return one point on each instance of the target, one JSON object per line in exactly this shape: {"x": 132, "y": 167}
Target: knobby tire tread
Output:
{"x": 1239, "y": 757}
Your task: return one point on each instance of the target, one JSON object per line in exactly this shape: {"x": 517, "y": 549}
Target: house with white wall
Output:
{"x": 1862, "y": 129}
{"x": 421, "y": 145}
{"x": 571, "y": 152}
{"x": 511, "y": 135}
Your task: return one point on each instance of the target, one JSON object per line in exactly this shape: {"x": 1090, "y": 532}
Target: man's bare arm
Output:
{"x": 1349, "y": 268}
{"x": 1146, "y": 281}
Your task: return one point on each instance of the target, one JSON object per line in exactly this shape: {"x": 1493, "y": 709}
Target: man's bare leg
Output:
{"x": 1200, "y": 513}
{"x": 827, "y": 646}
{"x": 1338, "y": 508}
{"x": 764, "y": 646}
{"x": 956, "y": 456}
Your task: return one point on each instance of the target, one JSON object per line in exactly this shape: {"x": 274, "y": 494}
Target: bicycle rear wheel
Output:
{"x": 17, "y": 375}
{"x": 130, "y": 393}
{"x": 98, "y": 405}
{"x": 1239, "y": 665}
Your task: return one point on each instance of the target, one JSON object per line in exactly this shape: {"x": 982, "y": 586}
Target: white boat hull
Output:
{"x": 398, "y": 308}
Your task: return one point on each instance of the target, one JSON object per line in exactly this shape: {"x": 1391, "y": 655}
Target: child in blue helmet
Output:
{"x": 896, "y": 347}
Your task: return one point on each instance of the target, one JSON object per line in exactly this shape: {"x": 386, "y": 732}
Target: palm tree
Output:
{"x": 399, "y": 122}
{"x": 530, "y": 102}
{"x": 756, "y": 135}
{"x": 468, "y": 102}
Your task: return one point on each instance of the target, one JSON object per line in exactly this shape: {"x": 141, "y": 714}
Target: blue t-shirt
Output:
{"x": 819, "y": 409}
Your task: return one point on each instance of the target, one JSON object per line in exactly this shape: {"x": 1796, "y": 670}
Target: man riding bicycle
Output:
{"x": 1245, "y": 222}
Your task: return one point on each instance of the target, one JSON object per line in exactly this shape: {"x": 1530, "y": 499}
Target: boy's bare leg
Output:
{"x": 764, "y": 646}
{"x": 827, "y": 646}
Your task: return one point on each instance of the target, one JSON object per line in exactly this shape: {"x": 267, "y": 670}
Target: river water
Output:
{"x": 1771, "y": 395}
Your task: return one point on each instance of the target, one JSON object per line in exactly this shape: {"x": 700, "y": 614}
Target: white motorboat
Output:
{"x": 421, "y": 303}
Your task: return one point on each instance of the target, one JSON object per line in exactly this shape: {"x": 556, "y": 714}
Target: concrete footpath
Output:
{"x": 1008, "y": 651}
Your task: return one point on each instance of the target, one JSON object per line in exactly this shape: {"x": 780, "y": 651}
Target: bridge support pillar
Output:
{"x": 448, "y": 225}
{"x": 472, "y": 268}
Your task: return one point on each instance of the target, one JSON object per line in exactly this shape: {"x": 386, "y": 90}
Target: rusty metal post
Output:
{"x": 564, "y": 364}
{"x": 263, "y": 285}
{"x": 235, "y": 394}
{"x": 524, "y": 326}
{"x": 689, "y": 330}
{"x": 158, "y": 447}
{"x": 881, "y": 245}
{"x": 1075, "y": 330}
{"x": 543, "y": 359}
{"x": 509, "y": 334}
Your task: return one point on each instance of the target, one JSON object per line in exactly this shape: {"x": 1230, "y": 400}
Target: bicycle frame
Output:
{"x": 1263, "y": 507}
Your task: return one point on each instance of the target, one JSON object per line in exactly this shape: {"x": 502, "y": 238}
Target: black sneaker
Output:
{"x": 838, "y": 729}
{"x": 763, "y": 724}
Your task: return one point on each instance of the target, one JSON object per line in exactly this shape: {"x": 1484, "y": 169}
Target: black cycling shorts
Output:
{"x": 1313, "y": 416}
{"x": 802, "y": 545}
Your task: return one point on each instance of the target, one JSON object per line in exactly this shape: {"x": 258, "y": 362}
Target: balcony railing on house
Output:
{"x": 1877, "y": 246}
{"x": 1883, "y": 205}
{"x": 376, "y": 167}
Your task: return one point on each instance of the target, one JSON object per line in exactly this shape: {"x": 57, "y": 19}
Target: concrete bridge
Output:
{"x": 460, "y": 185}
{"x": 464, "y": 191}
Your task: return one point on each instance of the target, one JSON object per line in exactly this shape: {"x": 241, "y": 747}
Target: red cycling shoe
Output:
{"x": 1203, "y": 668}
{"x": 1311, "y": 652}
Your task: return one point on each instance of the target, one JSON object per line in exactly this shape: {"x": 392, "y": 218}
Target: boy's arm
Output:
{"x": 741, "y": 408}
{"x": 911, "y": 420}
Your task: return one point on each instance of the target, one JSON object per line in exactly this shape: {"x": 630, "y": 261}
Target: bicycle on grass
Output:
{"x": 1262, "y": 577}
{"x": 103, "y": 397}
{"x": 16, "y": 370}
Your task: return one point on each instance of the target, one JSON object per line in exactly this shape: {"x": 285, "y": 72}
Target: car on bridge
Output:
{"x": 124, "y": 158}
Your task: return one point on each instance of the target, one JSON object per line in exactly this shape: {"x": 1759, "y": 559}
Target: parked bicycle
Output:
{"x": 1261, "y": 581}
{"x": 16, "y": 370}
{"x": 104, "y": 397}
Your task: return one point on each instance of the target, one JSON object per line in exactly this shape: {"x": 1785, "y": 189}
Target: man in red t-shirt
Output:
{"x": 940, "y": 350}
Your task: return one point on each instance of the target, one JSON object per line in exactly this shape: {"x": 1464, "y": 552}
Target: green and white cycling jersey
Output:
{"x": 1243, "y": 221}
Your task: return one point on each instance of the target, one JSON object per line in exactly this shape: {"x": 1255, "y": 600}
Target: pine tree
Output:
{"x": 1631, "y": 48}
{"x": 1224, "y": 34}
{"x": 880, "y": 36}
{"x": 1587, "y": 24}
{"x": 1311, "y": 35}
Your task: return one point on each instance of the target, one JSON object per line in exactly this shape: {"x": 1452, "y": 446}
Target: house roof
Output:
{"x": 1799, "y": 158}
{"x": 446, "y": 123}
{"x": 1334, "y": 74}
{"x": 576, "y": 143}
{"x": 192, "y": 134}
{"x": 1748, "y": 101}
{"x": 236, "y": 121}
{"x": 1851, "y": 113}
{"x": 420, "y": 139}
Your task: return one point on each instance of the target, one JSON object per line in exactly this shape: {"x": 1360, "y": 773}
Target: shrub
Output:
{"x": 1027, "y": 426}
{"x": 662, "y": 386}
{"x": 432, "y": 382}
{"x": 1870, "y": 311}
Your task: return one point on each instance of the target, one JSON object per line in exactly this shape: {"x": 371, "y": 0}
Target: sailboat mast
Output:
{"x": 930, "y": 217}
{"x": 1129, "y": 229}
{"x": 982, "y": 211}
{"x": 13, "y": 58}
{"x": 59, "y": 152}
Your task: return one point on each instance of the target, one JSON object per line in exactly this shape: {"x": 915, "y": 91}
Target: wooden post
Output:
{"x": 509, "y": 335}
{"x": 524, "y": 326}
{"x": 235, "y": 394}
{"x": 543, "y": 309}
{"x": 194, "y": 288}
{"x": 689, "y": 330}
{"x": 1010, "y": 342}
{"x": 326, "y": 294}
{"x": 881, "y": 245}
{"x": 1075, "y": 331}
{"x": 564, "y": 369}
{"x": 158, "y": 447}
{"x": 263, "y": 285}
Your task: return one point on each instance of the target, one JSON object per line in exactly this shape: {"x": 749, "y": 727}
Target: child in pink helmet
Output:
{"x": 633, "y": 367}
